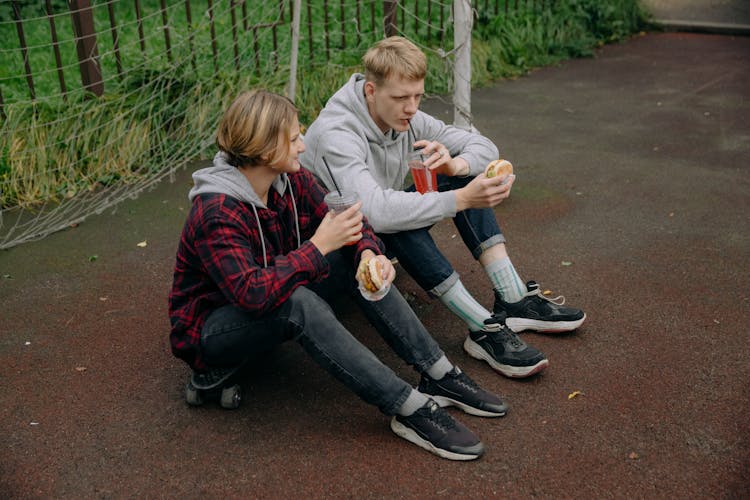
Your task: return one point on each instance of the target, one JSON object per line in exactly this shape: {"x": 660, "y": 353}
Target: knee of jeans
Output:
{"x": 306, "y": 304}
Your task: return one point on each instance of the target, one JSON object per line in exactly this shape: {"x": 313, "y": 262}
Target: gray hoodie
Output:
{"x": 373, "y": 164}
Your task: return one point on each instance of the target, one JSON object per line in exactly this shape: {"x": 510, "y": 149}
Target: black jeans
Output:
{"x": 230, "y": 335}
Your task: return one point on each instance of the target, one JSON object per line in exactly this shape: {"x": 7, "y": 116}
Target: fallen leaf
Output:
{"x": 566, "y": 263}
{"x": 717, "y": 321}
{"x": 547, "y": 292}
{"x": 142, "y": 244}
{"x": 80, "y": 368}
{"x": 633, "y": 455}
{"x": 92, "y": 258}
{"x": 103, "y": 299}
{"x": 574, "y": 394}
{"x": 7, "y": 277}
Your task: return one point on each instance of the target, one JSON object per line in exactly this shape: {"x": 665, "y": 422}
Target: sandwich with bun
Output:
{"x": 498, "y": 168}
{"x": 370, "y": 273}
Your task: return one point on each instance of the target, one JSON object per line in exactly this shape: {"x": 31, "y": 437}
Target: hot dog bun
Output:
{"x": 498, "y": 168}
{"x": 370, "y": 274}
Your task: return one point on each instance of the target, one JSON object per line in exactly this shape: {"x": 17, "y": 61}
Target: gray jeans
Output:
{"x": 231, "y": 335}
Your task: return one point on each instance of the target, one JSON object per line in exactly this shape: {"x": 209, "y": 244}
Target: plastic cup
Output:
{"x": 425, "y": 179}
{"x": 338, "y": 202}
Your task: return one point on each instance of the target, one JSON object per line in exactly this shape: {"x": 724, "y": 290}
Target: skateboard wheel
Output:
{"x": 193, "y": 395}
{"x": 231, "y": 397}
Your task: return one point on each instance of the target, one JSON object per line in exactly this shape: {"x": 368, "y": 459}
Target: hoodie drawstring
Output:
{"x": 260, "y": 233}
{"x": 294, "y": 207}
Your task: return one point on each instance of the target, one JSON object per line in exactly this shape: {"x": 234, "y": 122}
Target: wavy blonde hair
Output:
{"x": 255, "y": 128}
{"x": 394, "y": 56}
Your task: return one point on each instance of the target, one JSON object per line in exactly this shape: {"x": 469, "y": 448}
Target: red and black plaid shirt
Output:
{"x": 220, "y": 258}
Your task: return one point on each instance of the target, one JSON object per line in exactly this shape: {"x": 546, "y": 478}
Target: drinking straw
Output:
{"x": 331, "y": 174}
{"x": 415, "y": 137}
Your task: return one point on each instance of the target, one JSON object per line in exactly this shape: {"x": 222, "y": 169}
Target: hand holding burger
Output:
{"x": 499, "y": 168}
{"x": 375, "y": 274}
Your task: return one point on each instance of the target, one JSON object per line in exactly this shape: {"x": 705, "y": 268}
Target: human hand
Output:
{"x": 438, "y": 158}
{"x": 388, "y": 273}
{"x": 482, "y": 192}
{"x": 339, "y": 229}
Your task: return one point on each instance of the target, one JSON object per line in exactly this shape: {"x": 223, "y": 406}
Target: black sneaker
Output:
{"x": 503, "y": 350}
{"x": 536, "y": 312}
{"x": 433, "y": 429}
{"x": 457, "y": 389}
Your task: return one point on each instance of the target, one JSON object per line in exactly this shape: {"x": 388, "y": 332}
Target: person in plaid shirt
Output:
{"x": 259, "y": 254}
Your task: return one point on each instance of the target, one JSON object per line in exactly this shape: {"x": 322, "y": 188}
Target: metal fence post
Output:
{"x": 462, "y": 68}
{"x": 88, "y": 57}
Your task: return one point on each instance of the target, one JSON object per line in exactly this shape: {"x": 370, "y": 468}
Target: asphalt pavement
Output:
{"x": 631, "y": 199}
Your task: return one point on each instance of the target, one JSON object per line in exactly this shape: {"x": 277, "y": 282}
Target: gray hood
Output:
{"x": 223, "y": 178}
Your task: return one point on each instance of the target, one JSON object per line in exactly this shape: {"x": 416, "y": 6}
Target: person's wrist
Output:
{"x": 462, "y": 167}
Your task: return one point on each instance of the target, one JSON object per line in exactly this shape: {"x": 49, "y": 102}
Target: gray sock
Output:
{"x": 415, "y": 401}
{"x": 440, "y": 368}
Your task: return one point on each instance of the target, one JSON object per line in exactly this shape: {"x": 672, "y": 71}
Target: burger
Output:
{"x": 498, "y": 168}
{"x": 370, "y": 273}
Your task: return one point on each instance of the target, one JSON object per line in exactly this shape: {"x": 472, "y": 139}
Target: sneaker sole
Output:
{"x": 522, "y": 324}
{"x": 475, "y": 351}
{"x": 405, "y": 432}
{"x": 471, "y": 410}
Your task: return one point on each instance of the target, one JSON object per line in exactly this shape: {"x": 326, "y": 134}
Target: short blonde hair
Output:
{"x": 394, "y": 56}
{"x": 255, "y": 128}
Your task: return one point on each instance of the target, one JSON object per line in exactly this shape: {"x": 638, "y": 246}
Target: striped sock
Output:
{"x": 505, "y": 280}
{"x": 463, "y": 305}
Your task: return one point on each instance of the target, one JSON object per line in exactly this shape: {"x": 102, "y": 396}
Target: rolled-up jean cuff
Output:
{"x": 443, "y": 287}
{"x": 393, "y": 408}
{"x": 486, "y": 244}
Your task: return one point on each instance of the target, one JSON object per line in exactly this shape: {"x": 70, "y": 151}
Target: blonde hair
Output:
{"x": 255, "y": 128}
{"x": 394, "y": 56}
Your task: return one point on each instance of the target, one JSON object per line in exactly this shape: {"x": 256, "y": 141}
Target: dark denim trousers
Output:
{"x": 231, "y": 335}
{"x": 419, "y": 255}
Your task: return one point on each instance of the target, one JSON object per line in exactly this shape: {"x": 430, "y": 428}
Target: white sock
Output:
{"x": 440, "y": 368}
{"x": 505, "y": 280}
{"x": 463, "y": 305}
{"x": 415, "y": 401}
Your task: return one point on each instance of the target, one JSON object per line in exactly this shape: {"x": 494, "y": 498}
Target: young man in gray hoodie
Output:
{"x": 365, "y": 133}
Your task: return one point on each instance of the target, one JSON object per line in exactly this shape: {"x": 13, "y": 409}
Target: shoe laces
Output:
{"x": 499, "y": 332}
{"x": 439, "y": 417}
{"x": 558, "y": 301}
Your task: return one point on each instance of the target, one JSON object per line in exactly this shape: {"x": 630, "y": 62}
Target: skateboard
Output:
{"x": 216, "y": 383}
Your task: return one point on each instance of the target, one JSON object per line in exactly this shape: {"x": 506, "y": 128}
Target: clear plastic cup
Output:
{"x": 338, "y": 202}
{"x": 425, "y": 179}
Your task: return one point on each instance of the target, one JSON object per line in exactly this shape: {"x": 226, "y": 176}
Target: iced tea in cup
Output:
{"x": 340, "y": 201}
{"x": 425, "y": 179}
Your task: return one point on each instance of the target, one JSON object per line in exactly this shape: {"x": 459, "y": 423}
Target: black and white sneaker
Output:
{"x": 433, "y": 429}
{"x": 539, "y": 313}
{"x": 458, "y": 389}
{"x": 503, "y": 350}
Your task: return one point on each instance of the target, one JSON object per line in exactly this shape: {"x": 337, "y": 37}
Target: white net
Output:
{"x": 165, "y": 70}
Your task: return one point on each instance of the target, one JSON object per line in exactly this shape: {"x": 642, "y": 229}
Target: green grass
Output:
{"x": 159, "y": 114}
